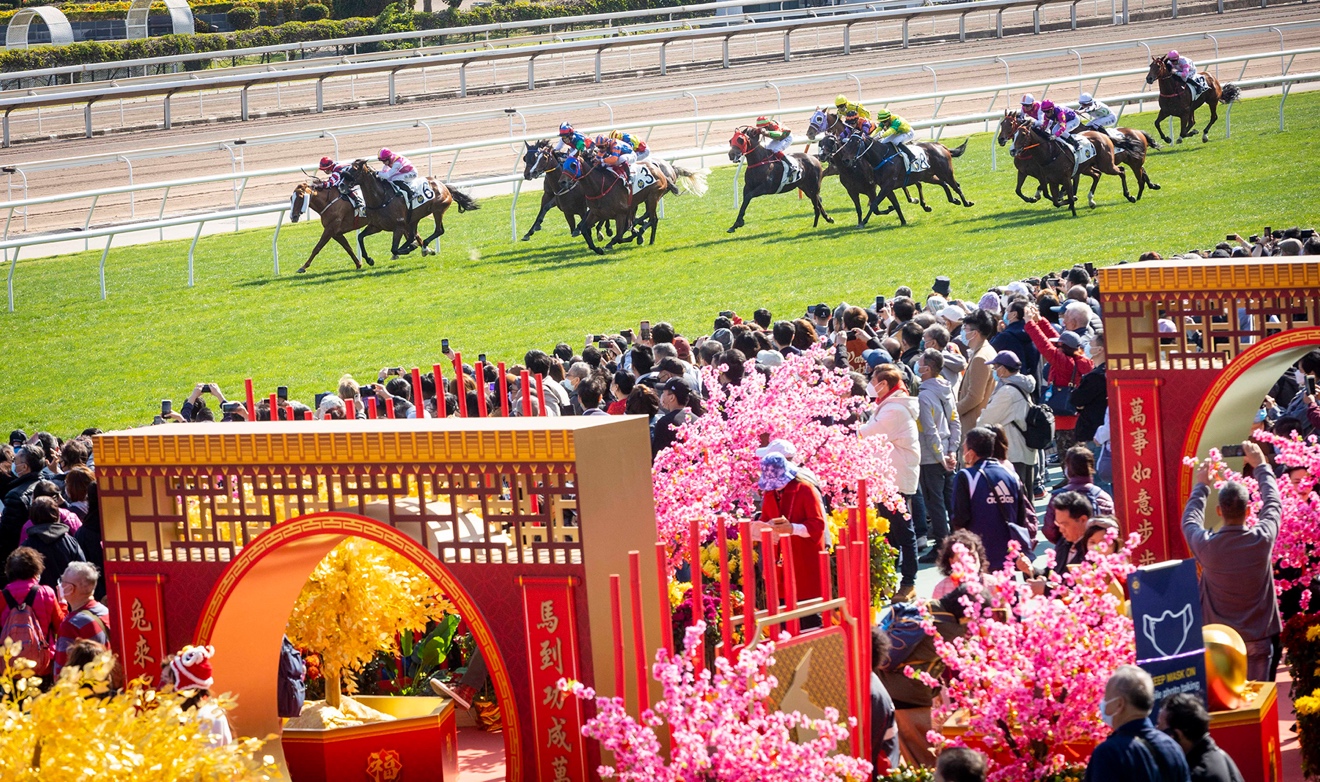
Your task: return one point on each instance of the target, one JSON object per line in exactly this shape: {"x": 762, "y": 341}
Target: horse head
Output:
{"x": 1025, "y": 139}
{"x": 1008, "y": 126}
{"x": 828, "y": 145}
{"x": 820, "y": 123}
{"x": 1159, "y": 68}
{"x": 848, "y": 151}
{"x": 301, "y": 200}
{"x": 740, "y": 145}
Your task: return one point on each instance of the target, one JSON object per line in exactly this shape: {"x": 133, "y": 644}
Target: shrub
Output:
{"x": 242, "y": 17}
{"x": 313, "y": 12}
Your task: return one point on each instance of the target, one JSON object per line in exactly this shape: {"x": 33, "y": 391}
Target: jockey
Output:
{"x": 616, "y": 154}
{"x": 1098, "y": 115}
{"x": 1030, "y": 108}
{"x": 854, "y": 122}
{"x": 779, "y": 137}
{"x": 398, "y": 172}
{"x": 895, "y": 130}
{"x": 843, "y": 106}
{"x": 571, "y": 141}
{"x": 1059, "y": 122}
{"x": 1184, "y": 69}
{"x": 335, "y": 178}
{"x": 639, "y": 147}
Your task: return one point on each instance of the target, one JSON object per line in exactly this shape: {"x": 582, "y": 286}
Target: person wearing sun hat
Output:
{"x": 791, "y": 506}
{"x": 189, "y": 672}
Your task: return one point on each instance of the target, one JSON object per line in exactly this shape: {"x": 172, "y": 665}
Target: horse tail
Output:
{"x": 1151, "y": 143}
{"x": 960, "y": 149}
{"x": 466, "y": 203}
{"x": 694, "y": 181}
{"x": 1230, "y": 93}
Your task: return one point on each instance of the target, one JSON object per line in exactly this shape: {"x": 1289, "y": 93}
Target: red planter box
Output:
{"x": 420, "y": 746}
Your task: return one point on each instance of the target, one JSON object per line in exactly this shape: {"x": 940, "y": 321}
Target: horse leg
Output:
{"x": 1122, "y": 177}
{"x": 816, "y": 205}
{"x": 1070, "y": 189}
{"x": 362, "y": 247}
{"x": 957, "y": 188}
{"x": 749, "y": 192}
{"x": 857, "y": 204}
{"x": 347, "y": 248}
{"x": 1139, "y": 167}
{"x": 921, "y": 198}
{"x": 908, "y": 195}
{"x": 653, "y": 217}
{"x": 586, "y": 226}
{"x": 1213, "y": 105}
{"x": 1159, "y": 128}
{"x": 325, "y": 237}
{"x": 1095, "y": 182}
{"x": 1022, "y": 178}
{"x": 547, "y": 202}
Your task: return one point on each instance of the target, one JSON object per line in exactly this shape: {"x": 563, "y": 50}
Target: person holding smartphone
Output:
{"x": 195, "y": 409}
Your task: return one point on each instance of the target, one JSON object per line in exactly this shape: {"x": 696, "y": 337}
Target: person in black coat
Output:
{"x": 1184, "y": 718}
{"x": 50, "y": 537}
{"x": 674, "y": 398}
{"x": 1091, "y": 397}
{"x": 28, "y": 464}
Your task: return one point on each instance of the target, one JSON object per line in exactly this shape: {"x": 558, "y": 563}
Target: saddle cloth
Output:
{"x": 1115, "y": 136}
{"x": 920, "y": 161}
{"x": 642, "y": 177}
{"x": 419, "y": 191}
{"x": 1197, "y": 84}
{"x": 1085, "y": 151}
{"x": 792, "y": 173}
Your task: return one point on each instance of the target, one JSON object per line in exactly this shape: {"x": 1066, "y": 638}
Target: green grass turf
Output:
{"x": 72, "y": 360}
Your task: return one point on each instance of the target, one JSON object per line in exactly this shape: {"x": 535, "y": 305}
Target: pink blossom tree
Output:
{"x": 719, "y": 727}
{"x": 710, "y": 472}
{"x": 1030, "y": 671}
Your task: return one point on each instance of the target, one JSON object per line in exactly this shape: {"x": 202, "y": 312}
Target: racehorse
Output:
{"x": 1052, "y": 164}
{"x": 883, "y": 164}
{"x": 380, "y": 196}
{"x": 542, "y": 159}
{"x": 851, "y": 177}
{"x": 768, "y": 174}
{"x": 337, "y": 217}
{"x": 1176, "y": 99}
{"x": 610, "y": 197}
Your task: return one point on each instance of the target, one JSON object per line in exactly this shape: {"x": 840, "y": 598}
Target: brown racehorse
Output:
{"x": 609, "y": 197}
{"x": 765, "y": 174}
{"x": 1176, "y": 99}
{"x": 336, "y": 217}
{"x": 1052, "y": 164}
{"x": 395, "y": 216}
{"x": 542, "y": 159}
{"x": 884, "y": 165}
{"x": 1130, "y": 150}
{"x": 851, "y": 177}
{"x": 822, "y": 122}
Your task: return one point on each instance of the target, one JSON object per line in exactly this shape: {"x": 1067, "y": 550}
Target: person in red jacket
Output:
{"x": 1068, "y": 365}
{"x": 791, "y": 505}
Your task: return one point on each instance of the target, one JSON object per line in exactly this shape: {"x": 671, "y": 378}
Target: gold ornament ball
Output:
{"x": 1225, "y": 666}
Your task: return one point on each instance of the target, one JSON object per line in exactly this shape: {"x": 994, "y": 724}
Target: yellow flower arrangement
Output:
{"x": 1307, "y": 705}
{"x": 354, "y": 605}
{"x": 838, "y": 521}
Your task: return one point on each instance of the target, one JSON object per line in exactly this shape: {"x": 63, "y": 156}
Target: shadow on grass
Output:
{"x": 325, "y": 277}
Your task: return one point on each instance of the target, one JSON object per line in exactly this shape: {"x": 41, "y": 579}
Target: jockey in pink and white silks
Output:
{"x": 398, "y": 171}
{"x": 335, "y": 178}
{"x": 1184, "y": 69}
{"x": 1030, "y": 108}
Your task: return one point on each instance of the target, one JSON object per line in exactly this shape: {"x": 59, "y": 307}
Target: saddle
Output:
{"x": 414, "y": 193}
{"x": 1197, "y": 85}
{"x": 1085, "y": 151}
{"x": 917, "y": 159}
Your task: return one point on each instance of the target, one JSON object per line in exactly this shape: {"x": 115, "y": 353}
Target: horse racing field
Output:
{"x": 73, "y": 360}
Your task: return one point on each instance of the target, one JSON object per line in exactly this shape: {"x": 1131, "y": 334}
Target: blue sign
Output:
{"x": 1172, "y": 675}
{"x": 1166, "y": 614}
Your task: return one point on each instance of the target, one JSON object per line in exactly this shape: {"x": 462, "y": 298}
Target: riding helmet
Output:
{"x": 840, "y": 100}
{"x": 327, "y": 164}
{"x": 616, "y": 135}
{"x": 764, "y": 122}
{"x": 1028, "y": 100}
{"x": 565, "y": 128}
{"x": 385, "y": 155}
{"x": 1173, "y": 54}
{"x": 1086, "y": 99}
{"x": 1047, "y": 105}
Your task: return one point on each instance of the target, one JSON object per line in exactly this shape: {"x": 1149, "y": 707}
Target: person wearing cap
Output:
{"x": 951, "y": 317}
{"x": 17, "y": 439}
{"x": 895, "y": 417}
{"x": 769, "y": 358}
{"x": 941, "y": 287}
{"x": 1096, "y": 115}
{"x": 791, "y": 506}
{"x": 1008, "y": 407}
{"x": 939, "y": 433}
{"x": 1014, "y": 336}
{"x": 189, "y": 672}
{"x": 674, "y": 397}
{"x": 979, "y": 381}
{"x": 990, "y": 303}
{"x": 820, "y": 319}
{"x": 790, "y": 452}
{"x": 1068, "y": 364}
{"x": 937, "y": 337}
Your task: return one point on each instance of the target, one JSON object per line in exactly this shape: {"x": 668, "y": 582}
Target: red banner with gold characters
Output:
{"x": 552, "y": 653}
{"x": 1139, "y": 465}
{"x": 140, "y": 626}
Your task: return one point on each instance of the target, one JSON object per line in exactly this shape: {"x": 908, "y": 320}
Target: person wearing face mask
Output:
{"x": 26, "y": 470}
{"x": 87, "y": 619}
{"x": 1135, "y": 751}
{"x": 940, "y": 433}
{"x": 895, "y": 417}
{"x": 1008, "y": 407}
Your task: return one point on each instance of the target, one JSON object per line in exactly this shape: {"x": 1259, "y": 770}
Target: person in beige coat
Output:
{"x": 979, "y": 381}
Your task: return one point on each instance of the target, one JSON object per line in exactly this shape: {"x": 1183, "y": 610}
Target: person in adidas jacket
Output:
{"x": 1008, "y": 407}
{"x": 988, "y": 498}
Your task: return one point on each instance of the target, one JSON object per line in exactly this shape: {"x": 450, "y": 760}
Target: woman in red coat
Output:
{"x": 1068, "y": 365}
{"x": 791, "y": 506}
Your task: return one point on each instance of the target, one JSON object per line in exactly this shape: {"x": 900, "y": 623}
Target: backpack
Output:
{"x": 21, "y": 625}
{"x": 903, "y": 624}
{"x": 1039, "y": 431}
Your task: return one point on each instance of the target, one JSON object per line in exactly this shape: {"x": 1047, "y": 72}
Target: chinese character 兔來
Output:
{"x": 552, "y": 656}
{"x": 549, "y": 621}
{"x": 138, "y": 617}
{"x": 557, "y": 737}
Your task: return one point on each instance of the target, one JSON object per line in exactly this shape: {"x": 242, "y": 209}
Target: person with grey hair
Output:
{"x": 1136, "y": 751}
{"x": 1236, "y": 562}
{"x": 28, "y": 463}
{"x": 937, "y": 337}
{"x": 579, "y": 371}
{"x": 87, "y": 619}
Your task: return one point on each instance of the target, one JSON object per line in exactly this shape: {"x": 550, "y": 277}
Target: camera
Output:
{"x": 1231, "y": 450}
{"x": 230, "y": 407}
{"x": 481, "y": 357}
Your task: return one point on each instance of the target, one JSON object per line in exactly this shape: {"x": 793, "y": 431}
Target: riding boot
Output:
{"x": 907, "y": 157}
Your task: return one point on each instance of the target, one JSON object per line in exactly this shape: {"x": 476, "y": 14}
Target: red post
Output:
{"x": 527, "y": 399}
{"x": 389, "y": 407}
{"x": 307, "y": 415}
{"x": 440, "y": 411}
{"x": 418, "y": 402}
{"x": 371, "y": 407}
{"x": 460, "y": 385}
{"x": 350, "y": 409}
{"x": 863, "y": 641}
{"x": 790, "y": 580}
{"x": 847, "y": 586}
{"x": 694, "y": 574}
{"x": 481, "y": 388}
{"x": 639, "y": 632}
{"x": 768, "y": 573}
{"x": 251, "y": 400}
{"x": 540, "y": 393}
{"x": 826, "y": 592}
{"x": 662, "y": 579}
{"x": 863, "y": 501}
{"x": 274, "y": 408}
{"x": 504, "y": 391}
{"x": 748, "y": 581}
{"x": 726, "y": 619}
{"x": 616, "y": 614}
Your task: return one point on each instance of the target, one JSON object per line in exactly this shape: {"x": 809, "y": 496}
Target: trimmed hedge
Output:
{"x": 313, "y": 12}
{"x": 521, "y": 11}
{"x": 271, "y": 12}
{"x": 242, "y": 17}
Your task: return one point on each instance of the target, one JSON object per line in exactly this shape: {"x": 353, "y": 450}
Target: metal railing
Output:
{"x": 321, "y": 72}
{"x": 1284, "y": 82}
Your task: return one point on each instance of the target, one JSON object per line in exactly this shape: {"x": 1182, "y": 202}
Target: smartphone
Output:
{"x": 627, "y": 335}
{"x": 879, "y": 303}
{"x": 1268, "y": 231}
{"x": 1231, "y": 450}
{"x": 1090, "y": 268}
{"x": 320, "y": 397}
{"x": 726, "y": 314}
{"x": 444, "y": 346}
{"x": 157, "y": 421}
{"x": 1307, "y": 233}
{"x": 367, "y": 390}
{"x": 1253, "y": 238}
{"x": 166, "y": 407}
{"x": 646, "y": 329}
{"x": 482, "y": 358}
{"x": 1310, "y": 385}
{"x": 282, "y": 393}
{"x": 229, "y": 407}
{"x": 1231, "y": 238}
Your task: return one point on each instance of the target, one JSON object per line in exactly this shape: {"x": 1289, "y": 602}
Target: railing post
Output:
{"x": 320, "y": 95}
{"x": 462, "y": 80}
{"x": 788, "y": 47}
{"x": 105, "y": 253}
{"x": 663, "y": 70}
{"x": 999, "y": 24}
{"x": 905, "y": 33}
{"x": 598, "y": 55}
{"x": 6, "y": 120}
{"x": 12, "y": 263}
{"x": 166, "y": 103}
{"x": 87, "y": 119}
{"x": 847, "y": 39}
{"x": 962, "y": 28}
{"x": 1035, "y": 20}
{"x": 393, "y": 96}
{"x": 275, "y": 243}
{"x": 243, "y": 103}
{"x": 531, "y": 73}
{"x": 725, "y": 64}
{"x": 192, "y": 248}
{"x": 1175, "y": 9}
{"x": 1126, "y": 18}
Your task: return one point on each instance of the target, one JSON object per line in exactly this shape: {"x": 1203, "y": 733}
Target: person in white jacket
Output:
{"x": 895, "y": 417}
{"x": 1008, "y": 407}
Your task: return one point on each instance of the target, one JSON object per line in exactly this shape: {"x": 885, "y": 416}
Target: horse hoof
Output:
{"x": 1131, "y": 200}
{"x": 925, "y": 208}
{"x": 527, "y": 238}
{"x": 829, "y": 219}
{"x": 967, "y": 203}
{"x": 370, "y": 261}
{"x": 731, "y": 230}
{"x": 1152, "y": 186}
{"x": 1179, "y": 141}
{"x": 302, "y": 269}
{"x": 599, "y": 251}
